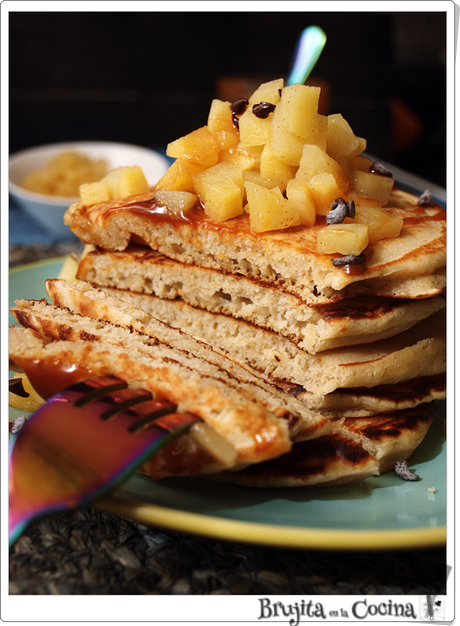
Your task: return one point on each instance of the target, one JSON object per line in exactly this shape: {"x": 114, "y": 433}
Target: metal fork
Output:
{"x": 82, "y": 442}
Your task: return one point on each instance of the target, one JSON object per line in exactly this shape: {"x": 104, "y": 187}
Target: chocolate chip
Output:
{"x": 350, "y": 259}
{"x": 15, "y": 386}
{"x": 263, "y": 109}
{"x": 239, "y": 106}
{"x": 378, "y": 168}
{"x": 401, "y": 469}
{"x": 426, "y": 199}
{"x": 339, "y": 210}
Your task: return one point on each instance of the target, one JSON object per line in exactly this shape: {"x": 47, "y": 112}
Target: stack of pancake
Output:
{"x": 366, "y": 350}
{"x": 361, "y": 352}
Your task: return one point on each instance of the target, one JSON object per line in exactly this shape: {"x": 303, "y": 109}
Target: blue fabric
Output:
{"x": 23, "y": 231}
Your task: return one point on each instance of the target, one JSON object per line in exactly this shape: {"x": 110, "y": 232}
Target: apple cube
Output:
{"x": 300, "y": 198}
{"x": 112, "y": 182}
{"x": 132, "y": 181}
{"x": 381, "y": 223}
{"x": 343, "y": 239}
{"x": 243, "y": 158}
{"x": 315, "y": 161}
{"x": 284, "y": 144}
{"x": 360, "y": 163}
{"x": 324, "y": 190}
{"x": 125, "y": 181}
{"x": 178, "y": 176}
{"x": 341, "y": 140}
{"x": 268, "y": 209}
{"x": 226, "y": 140}
{"x": 220, "y": 189}
{"x": 220, "y": 117}
{"x": 254, "y": 176}
{"x": 373, "y": 185}
{"x": 254, "y": 131}
{"x": 267, "y": 92}
{"x": 93, "y": 193}
{"x": 176, "y": 201}
{"x": 275, "y": 169}
{"x": 199, "y": 146}
{"x": 298, "y": 109}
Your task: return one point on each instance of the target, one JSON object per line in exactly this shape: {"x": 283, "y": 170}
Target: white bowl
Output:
{"x": 48, "y": 211}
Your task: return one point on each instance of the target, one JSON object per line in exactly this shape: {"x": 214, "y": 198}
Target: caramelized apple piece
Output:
{"x": 343, "y": 239}
{"x": 381, "y": 223}
{"x": 176, "y": 201}
{"x": 220, "y": 189}
{"x": 268, "y": 209}
{"x": 199, "y": 146}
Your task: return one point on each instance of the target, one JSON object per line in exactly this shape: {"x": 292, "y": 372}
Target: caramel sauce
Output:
{"x": 152, "y": 210}
{"x": 157, "y": 213}
{"x": 354, "y": 270}
{"x": 49, "y": 379}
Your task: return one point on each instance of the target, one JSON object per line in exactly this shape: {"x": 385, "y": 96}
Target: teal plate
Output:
{"x": 376, "y": 513}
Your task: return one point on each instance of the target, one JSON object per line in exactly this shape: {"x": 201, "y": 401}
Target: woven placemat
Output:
{"x": 21, "y": 255}
{"x": 89, "y": 551}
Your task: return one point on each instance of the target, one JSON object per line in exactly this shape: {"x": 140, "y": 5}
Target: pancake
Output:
{"x": 419, "y": 351}
{"x": 188, "y": 371}
{"x": 356, "y": 449}
{"x": 362, "y": 402}
{"x": 288, "y": 259}
{"x": 390, "y": 437}
{"x": 314, "y": 328}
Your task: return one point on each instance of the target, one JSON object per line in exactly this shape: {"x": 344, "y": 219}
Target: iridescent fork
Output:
{"x": 82, "y": 442}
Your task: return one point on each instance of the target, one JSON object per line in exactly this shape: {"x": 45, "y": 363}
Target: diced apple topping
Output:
{"x": 301, "y": 198}
{"x": 268, "y": 209}
{"x": 381, "y": 223}
{"x": 93, "y": 193}
{"x": 121, "y": 182}
{"x": 347, "y": 239}
{"x": 276, "y": 158}
{"x": 199, "y": 146}
{"x": 220, "y": 117}
{"x": 373, "y": 185}
{"x": 342, "y": 143}
{"x": 176, "y": 201}
{"x": 220, "y": 190}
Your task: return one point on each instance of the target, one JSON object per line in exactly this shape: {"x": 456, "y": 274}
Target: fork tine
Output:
{"x": 152, "y": 417}
{"x": 97, "y": 388}
{"x": 122, "y": 403}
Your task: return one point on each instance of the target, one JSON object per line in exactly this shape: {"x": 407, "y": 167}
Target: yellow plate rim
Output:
{"x": 273, "y": 535}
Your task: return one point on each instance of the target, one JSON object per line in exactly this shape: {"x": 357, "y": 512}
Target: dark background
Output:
{"x": 148, "y": 78}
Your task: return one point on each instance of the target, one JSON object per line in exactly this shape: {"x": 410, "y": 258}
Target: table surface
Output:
{"x": 89, "y": 551}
